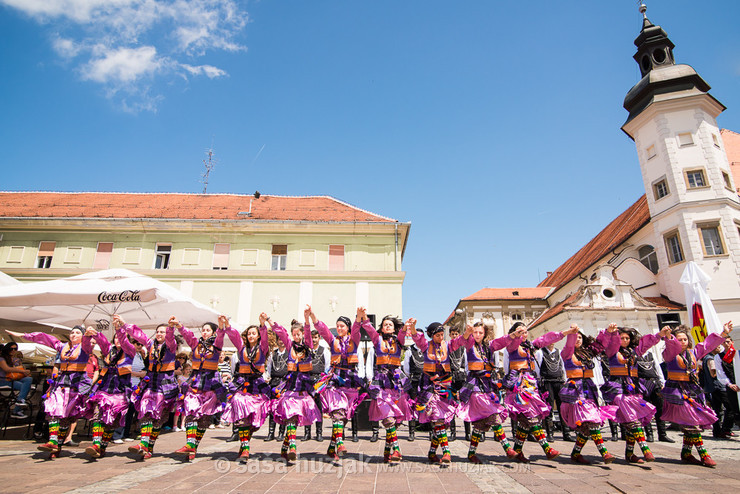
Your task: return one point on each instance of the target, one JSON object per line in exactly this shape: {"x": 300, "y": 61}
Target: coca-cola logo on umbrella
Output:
{"x": 124, "y": 296}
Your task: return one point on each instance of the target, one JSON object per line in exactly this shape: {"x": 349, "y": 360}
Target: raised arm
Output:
{"x": 264, "y": 341}
{"x": 103, "y": 343}
{"x": 420, "y": 341}
{"x": 137, "y": 334}
{"x": 499, "y": 343}
{"x": 548, "y": 339}
{"x": 219, "y": 343}
{"x": 646, "y": 343}
{"x": 459, "y": 341}
{"x": 355, "y": 334}
{"x": 570, "y": 346}
{"x": 236, "y": 338}
{"x": 672, "y": 348}
{"x": 87, "y": 343}
{"x": 610, "y": 340}
{"x": 169, "y": 339}
{"x": 282, "y": 333}
{"x": 323, "y": 332}
{"x": 712, "y": 341}
{"x": 188, "y": 336}
{"x": 371, "y": 332}
{"x": 42, "y": 339}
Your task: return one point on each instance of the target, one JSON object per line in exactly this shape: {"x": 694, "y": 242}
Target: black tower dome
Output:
{"x": 654, "y": 49}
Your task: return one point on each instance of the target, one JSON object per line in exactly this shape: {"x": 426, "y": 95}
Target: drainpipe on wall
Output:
{"x": 395, "y": 253}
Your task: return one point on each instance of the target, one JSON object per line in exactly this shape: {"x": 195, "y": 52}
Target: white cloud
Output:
{"x": 66, "y": 48}
{"x": 123, "y": 65}
{"x": 208, "y": 70}
{"x": 122, "y": 43}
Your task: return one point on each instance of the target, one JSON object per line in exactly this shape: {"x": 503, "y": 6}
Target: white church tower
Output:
{"x": 694, "y": 208}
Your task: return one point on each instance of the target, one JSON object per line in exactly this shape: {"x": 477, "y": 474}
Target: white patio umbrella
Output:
{"x": 93, "y": 298}
{"x": 704, "y": 318}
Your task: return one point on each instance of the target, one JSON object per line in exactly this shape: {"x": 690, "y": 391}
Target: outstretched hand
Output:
{"x": 573, "y": 329}
{"x": 612, "y": 327}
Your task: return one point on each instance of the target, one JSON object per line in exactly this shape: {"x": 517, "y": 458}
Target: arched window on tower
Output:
{"x": 648, "y": 257}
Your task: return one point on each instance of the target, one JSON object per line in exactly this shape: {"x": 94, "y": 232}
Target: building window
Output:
{"x": 728, "y": 182}
{"x": 279, "y": 257}
{"x": 162, "y": 259}
{"x": 516, "y": 316}
{"x": 221, "y": 256}
{"x": 685, "y": 139}
{"x": 46, "y": 253}
{"x": 102, "y": 255}
{"x": 715, "y": 140}
{"x": 15, "y": 254}
{"x": 660, "y": 189}
{"x": 673, "y": 248}
{"x": 695, "y": 179}
{"x": 651, "y": 152}
{"x": 711, "y": 240}
{"x": 648, "y": 257}
{"x": 336, "y": 258}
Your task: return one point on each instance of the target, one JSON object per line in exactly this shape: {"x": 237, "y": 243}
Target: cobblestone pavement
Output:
{"x": 23, "y": 469}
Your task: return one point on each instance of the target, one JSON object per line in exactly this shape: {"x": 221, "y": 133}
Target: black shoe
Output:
{"x": 483, "y": 437}
{"x": 354, "y": 436}
{"x": 665, "y": 439}
{"x": 649, "y": 436}
{"x": 412, "y": 431}
{"x": 270, "y": 435}
{"x": 549, "y": 438}
{"x": 281, "y": 434}
{"x": 306, "y": 433}
{"x": 453, "y": 436}
{"x": 319, "y": 437}
{"x": 567, "y": 437}
{"x": 233, "y": 437}
{"x": 374, "y": 437}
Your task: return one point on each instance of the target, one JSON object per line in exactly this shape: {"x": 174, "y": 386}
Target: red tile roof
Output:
{"x": 665, "y": 303}
{"x": 537, "y": 293}
{"x": 181, "y": 206}
{"x": 618, "y": 231}
{"x": 732, "y": 148}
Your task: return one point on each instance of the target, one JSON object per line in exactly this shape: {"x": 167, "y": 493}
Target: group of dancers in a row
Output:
{"x": 484, "y": 399}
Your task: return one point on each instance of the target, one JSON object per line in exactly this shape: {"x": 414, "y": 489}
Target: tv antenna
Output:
{"x": 210, "y": 164}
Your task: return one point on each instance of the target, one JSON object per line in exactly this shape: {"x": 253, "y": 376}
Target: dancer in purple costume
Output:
{"x": 435, "y": 401}
{"x": 295, "y": 404}
{"x": 66, "y": 400}
{"x": 207, "y": 393}
{"x": 623, "y": 347}
{"x": 250, "y": 401}
{"x": 388, "y": 389}
{"x": 523, "y": 400}
{"x": 110, "y": 394}
{"x": 341, "y": 388}
{"x": 481, "y": 399}
{"x": 683, "y": 398}
{"x": 155, "y": 395}
{"x": 580, "y": 408}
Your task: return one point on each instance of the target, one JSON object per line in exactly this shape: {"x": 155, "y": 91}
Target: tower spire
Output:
{"x": 654, "y": 49}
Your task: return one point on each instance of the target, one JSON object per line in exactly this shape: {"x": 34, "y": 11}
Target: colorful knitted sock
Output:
{"x": 107, "y": 437}
{"x": 441, "y": 433}
{"x": 394, "y": 439}
{"x": 286, "y": 442}
{"x": 581, "y": 440}
{"x": 63, "y": 433}
{"x": 153, "y": 439}
{"x": 520, "y": 435}
{"x": 388, "y": 443}
{"x": 539, "y": 433}
{"x": 191, "y": 430}
{"x": 146, "y": 432}
{"x": 245, "y": 435}
{"x": 199, "y": 433}
{"x": 290, "y": 431}
{"x": 475, "y": 438}
{"x": 433, "y": 444}
{"x": 598, "y": 441}
{"x": 339, "y": 426}
{"x": 500, "y": 436}
{"x": 639, "y": 435}
{"x": 97, "y": 433}
{"x": 54, "y": 432}
{"x": 688, "y": 444}
{"x": 699, "y": 443}
{"x": 629, "y": 449}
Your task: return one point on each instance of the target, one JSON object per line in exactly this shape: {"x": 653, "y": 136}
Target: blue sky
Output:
{"x": 492, "y": 126}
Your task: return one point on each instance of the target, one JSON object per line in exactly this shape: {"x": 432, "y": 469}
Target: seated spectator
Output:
{"x": 12, "y": 373}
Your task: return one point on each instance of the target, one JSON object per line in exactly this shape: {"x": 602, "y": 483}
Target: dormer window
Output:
{"x": 685, "y": 139}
